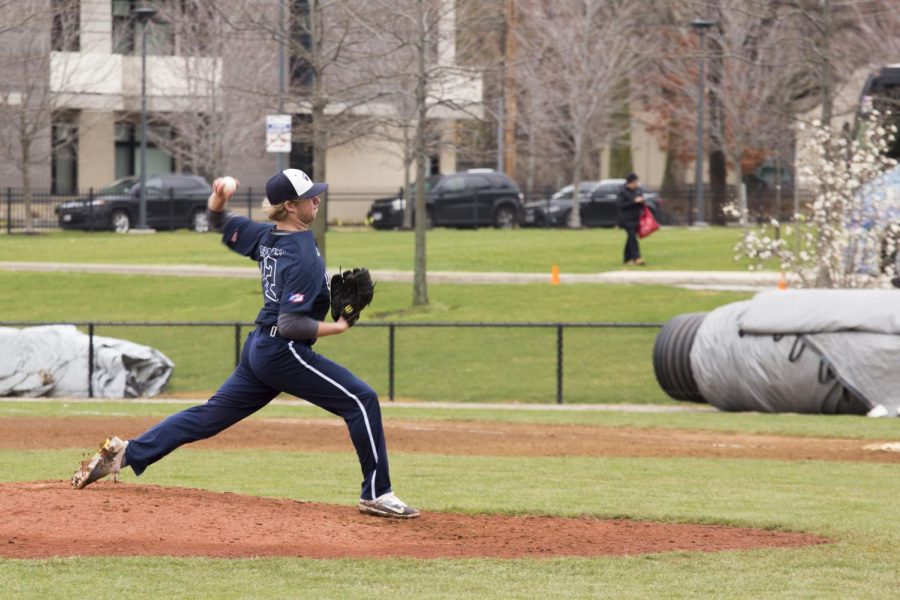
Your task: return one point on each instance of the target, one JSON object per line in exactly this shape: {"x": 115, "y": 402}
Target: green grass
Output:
{"x": 854, "y": 504}
{"x": 519, "y": 250}
{"x": 601, "y": 365}
{"x": 778, "y": 424}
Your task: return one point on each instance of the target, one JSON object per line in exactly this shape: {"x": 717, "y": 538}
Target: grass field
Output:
{"x": 854, "y": 504}
{"x": 518, "y": 250}
{"x": 601, "y": 365}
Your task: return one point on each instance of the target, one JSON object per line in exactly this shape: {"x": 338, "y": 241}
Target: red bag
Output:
{"x": 647, "y": 224}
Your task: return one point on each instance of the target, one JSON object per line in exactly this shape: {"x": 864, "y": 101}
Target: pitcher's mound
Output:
{"x": 43, "y": 519}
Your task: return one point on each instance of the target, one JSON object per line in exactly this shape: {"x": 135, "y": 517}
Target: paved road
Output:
{"x": 723, "y": 280}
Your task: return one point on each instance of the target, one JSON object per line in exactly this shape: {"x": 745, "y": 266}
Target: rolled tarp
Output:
{"x": 52, "y": 360}
{"x": 803, "y": 351}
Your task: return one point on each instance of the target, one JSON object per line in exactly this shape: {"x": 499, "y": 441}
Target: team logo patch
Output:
{"x": 296, "y": 298}
{"x": 234, "y": 237}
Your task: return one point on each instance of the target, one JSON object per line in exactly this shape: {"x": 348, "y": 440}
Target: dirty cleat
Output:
{"x": 388, "y": 505}
{"x": 107, "y": 460}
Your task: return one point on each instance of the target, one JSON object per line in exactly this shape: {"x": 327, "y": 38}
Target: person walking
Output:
{"x": 277, "y": 356}
{"x": 631, "y": 205}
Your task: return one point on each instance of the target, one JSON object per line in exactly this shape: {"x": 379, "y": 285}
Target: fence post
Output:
{"x": 8, "y": 211}
{"x": 559, "y": 364}
{"x": 391, "y": 329}
{"x": 172, "y": 208}
{"x": 90, "y": 360}
{"x": 250, "y": 203}
{"x": 237, "y": 344}
{"x": 91, "y": 209}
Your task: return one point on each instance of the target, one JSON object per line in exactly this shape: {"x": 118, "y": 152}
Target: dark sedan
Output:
{"x": 173, "y": 201}
{"x": 597, "y": 204}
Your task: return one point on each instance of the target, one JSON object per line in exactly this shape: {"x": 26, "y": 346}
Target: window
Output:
{"x": 127, "y": 32}
{"x": 452, "y": 184}
{"x": 478, "y": 182}
{"x": 128, "y": 151}
{"x": 66, "y": 32}
{"x": 64, "y": 160}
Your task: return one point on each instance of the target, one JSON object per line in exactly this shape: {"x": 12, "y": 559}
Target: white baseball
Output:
{"x": 229, "y": 185}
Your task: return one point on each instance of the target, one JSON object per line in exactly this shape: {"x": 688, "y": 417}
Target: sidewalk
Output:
{"x": 721, "y": 280}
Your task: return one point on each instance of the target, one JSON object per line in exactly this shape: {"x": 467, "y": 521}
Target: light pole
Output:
{"x": 700, "y": 26}
{"x": 281, "y": 77}
{"x": 144, "y": 15}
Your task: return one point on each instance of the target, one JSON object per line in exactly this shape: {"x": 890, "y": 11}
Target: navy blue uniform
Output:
{"x": 293, "y": 280}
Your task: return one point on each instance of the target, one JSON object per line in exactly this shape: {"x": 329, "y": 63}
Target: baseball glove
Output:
{"x": 351, "y": 291}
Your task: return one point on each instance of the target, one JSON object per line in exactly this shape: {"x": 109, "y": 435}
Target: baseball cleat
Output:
{"x": 388, "y": 505}
{"x": 107, "y": 460}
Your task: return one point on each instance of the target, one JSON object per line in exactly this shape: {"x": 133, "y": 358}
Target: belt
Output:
{"x": 271, "y": 331}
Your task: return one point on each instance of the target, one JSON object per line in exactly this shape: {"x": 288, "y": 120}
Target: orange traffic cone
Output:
{"x": 554, "y": 275}
{"x": 782, "y": 281}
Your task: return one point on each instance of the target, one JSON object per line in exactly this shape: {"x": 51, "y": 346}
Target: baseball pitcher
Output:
{"x": 278, "y": 356}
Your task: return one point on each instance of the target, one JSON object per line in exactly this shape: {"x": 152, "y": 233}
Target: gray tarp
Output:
{"x": 52, "y": 360}
{"x": 807, "y": 351}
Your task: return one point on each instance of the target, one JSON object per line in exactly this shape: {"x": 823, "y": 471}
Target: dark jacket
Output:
{"x": 629, "y": 210}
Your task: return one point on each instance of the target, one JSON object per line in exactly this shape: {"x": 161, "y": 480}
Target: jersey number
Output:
{"x": 268, "y": 278}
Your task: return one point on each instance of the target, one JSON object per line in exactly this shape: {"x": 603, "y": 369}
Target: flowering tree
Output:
{"x": 849, "y": 235}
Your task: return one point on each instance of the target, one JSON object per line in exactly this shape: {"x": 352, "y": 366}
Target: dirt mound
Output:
{"x": 454, "y": 437}
{"x": 45, "y": 519}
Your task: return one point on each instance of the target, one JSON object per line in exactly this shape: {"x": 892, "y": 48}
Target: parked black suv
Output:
{"x": 474, "y": 198}
{"x": 597, "y": 202}
{"x": 173, "y": 201}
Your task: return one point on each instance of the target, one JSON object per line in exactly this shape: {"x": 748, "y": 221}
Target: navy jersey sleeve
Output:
{"x": 242, "y": 235}
{"x": 302, "y": 283}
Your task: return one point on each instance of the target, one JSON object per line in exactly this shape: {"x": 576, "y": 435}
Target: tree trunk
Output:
{"x": 718, "y": 182}
{"x": 825, "y": 65}
{"x": 408, "y": 200}
{"x": 620, "y": 160}
{"x": 718, "y": 166}
{"x": 26, "y": 184}
{"x": 575, "y": 215}
{"x": 320, "y": 149}
{"x": 510, "y": 104}
{"x": 319, "y": 127}
{"x": 420, "y": 281}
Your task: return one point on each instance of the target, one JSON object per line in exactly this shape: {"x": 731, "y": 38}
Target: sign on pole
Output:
{"x": 278, "y": 133}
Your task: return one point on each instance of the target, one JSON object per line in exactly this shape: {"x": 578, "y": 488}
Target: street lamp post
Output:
{"x": 143, "y": 15}
{"x": 700, "y": 26}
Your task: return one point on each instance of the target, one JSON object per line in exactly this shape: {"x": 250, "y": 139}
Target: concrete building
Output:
{"x": 95, "y": 79}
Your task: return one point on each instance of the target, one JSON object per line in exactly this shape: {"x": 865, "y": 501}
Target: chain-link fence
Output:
{"x": 450, "y": 362}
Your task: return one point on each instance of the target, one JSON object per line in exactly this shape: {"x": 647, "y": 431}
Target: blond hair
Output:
{"x": 275, "y": 212}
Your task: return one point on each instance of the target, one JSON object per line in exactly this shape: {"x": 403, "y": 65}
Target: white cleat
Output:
{"x": 388, "y": 505}
{"x": 107, "y": 460}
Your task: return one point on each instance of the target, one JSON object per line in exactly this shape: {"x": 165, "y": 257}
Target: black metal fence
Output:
{"x": 345, "y": 207}
{"x": 458, "y": 362}
{"x": 351, "y": 207}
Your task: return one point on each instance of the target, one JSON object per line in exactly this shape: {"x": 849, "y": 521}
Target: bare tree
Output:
{"x": 419, "y": 42}
{"x": 29, "y": 96}
{"x": 327, "y": 75}
{"x": 212, "y": 103}
{"x": 573, "y": 76}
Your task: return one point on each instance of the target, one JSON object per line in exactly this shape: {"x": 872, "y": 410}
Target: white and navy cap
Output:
{"x": 292, "y": 184}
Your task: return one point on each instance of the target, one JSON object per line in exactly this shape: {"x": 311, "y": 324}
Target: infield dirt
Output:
{"x": 46, "y": 519}
{"x": 455, "y": 438}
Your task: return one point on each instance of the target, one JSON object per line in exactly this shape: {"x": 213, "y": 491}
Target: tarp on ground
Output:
{"x": 52, "y": 360}
{"x": 805, "y": 351}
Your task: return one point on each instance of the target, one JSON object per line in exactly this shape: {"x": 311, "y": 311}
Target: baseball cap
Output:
{"x": 292, "y": 184}
{"x": 631, "y": 177}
